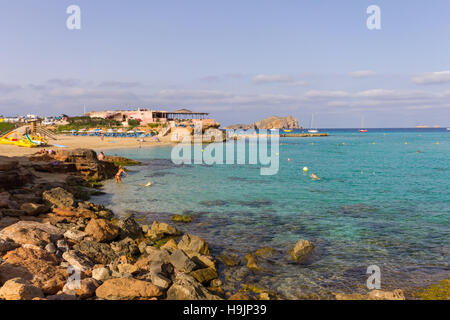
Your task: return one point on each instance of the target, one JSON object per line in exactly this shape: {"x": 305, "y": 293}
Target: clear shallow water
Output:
{"x": 378, "y": 202}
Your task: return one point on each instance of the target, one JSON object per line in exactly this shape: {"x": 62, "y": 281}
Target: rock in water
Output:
{"x": 58, "y": 197}
{"x": 102, "y": 230}
{"x": 185, "y": 287}
{"x": 301, "y": 250}
{"x": 19, "y": 289}
{"x": 127, "y": 289}
{"x": 190, "y": 242}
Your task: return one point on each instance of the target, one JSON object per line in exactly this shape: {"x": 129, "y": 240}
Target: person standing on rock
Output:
{"x": 119, "y": 173}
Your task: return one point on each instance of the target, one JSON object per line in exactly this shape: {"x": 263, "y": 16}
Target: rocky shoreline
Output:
{"x": 56, "y": 245}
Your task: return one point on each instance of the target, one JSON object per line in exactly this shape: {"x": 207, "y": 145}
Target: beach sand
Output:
{"x": 95, "y": 143}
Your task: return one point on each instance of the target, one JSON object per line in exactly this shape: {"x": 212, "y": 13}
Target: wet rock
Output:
{"x": 185, "y": 287}
{"x": 301, "y": 250}
{"x": 58, "y": 197}
{"x": 204, "y": 275}
{"x": 30, "y": 232}
{"x": 127, "y": 289}
{"x": 373, "y": 295}
{"x": 181, "y": 218}
{"x": 100, "y": 253}
{"x": 252, "y": 263}
{"x": 129, "y": 228}
{"x": 229, "y": 260}
{"x": 101, "y": 274}
{"x": 33, "y": 209}
{"x": 181, "y": 261}
{"x": 240, "y": 296}
{"x": 102, "y": 230}
{"x": 19, "y": 289}
{"x": 190, "y": 242}
{"x": 265, "y": 252}
{"x": 78, "y": 260}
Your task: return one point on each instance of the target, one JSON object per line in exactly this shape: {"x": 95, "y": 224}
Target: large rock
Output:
{"x": 20, "y": 289}
{"x": 204, "y": 275}
{"x": 185, "y": 287}
{"x": 101, "y": 274}
{"x": 39, "y": 267}
{"x": 58, "y": 197}
{"x": 127, "y": 289}
{"x": 160, "y": 230}
{"x": 181, "y": 261}
{"x": 78, "y": 260}
{"x": 102, "y": 230}
{"x": 84, "y": 288}
{"x": 193, "y": 243}
{"x": 31, "y": 232}
{"x": 301, "y": 250}
{"x": 100, "y": 253}
{"x": 129, "y": 228}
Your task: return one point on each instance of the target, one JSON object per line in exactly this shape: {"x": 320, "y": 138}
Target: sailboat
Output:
{"x": 311, "y": 125}
{"x": 362, "y": 125}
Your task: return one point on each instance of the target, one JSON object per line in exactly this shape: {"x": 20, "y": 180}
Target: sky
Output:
{"x": 239, "y": 60}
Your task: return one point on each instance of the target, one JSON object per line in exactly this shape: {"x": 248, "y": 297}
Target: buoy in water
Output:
{"x": 305, "y": 169}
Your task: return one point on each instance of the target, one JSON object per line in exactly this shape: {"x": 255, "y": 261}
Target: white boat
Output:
{"x": 448, "y": 129}
{"x": 361, "y": 126}
{"x": 311, "y": 125}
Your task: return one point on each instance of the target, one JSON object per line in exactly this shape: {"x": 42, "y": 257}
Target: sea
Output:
{"x": 382, "y": 200}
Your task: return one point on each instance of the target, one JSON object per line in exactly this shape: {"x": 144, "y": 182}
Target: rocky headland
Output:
{"x": 273, "y": 122}
{"x": 56, "y": 245}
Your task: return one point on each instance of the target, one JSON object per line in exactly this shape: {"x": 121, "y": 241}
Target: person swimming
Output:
{"x": 119, "y": 173}
{"x": 314, "y": 177}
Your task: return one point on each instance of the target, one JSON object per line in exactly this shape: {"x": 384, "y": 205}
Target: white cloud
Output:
{"x": 433, "y": 78}
{"x": 362, "y": 74}
{"x": 324, "y": 94}
{"x": 272, "y": 78}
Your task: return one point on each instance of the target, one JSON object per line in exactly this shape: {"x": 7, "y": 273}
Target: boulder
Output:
{"x": 75, "y": 235}
{"x": 129, "y": 228}
{"x": 31, "y": 232}
{"x": 185, "y": 287}
{"x": 229, "y": 260}
{"x": 127, "y": 289}
{"x": 301, "y": 250}
{"x": 204, "y": 275}
{"x": 265, "y": 252}
{"x": 100, "y": 253}
{"x": 78, "y": 260}
{"x": 190, "y": 242}
{"x": 252, "y": 262}
{"x": 58, "y": 197}
{"x": 84, "y": 288}
{"x": 181, "y": 261}
{"x": 160, "y": 230}
{"x": 102, "y": 230}
{"x": 19, "y": 289}
{"x": 126, "y": 247}
{"x": 170, "y": 245}
{"x": 181, "y": 218}
{"x": 101, "y": 274}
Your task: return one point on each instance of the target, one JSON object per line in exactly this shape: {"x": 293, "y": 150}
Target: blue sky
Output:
{"x": 239, "y": 60}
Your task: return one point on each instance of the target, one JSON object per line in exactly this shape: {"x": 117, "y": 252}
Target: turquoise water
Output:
{"x": 379, "y": 202}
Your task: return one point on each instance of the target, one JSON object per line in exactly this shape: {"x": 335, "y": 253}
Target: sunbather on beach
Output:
{"x": 119, "y": 173}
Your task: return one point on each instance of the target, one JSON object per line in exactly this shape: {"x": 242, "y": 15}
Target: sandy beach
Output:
{"x": 95, "y": 143}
